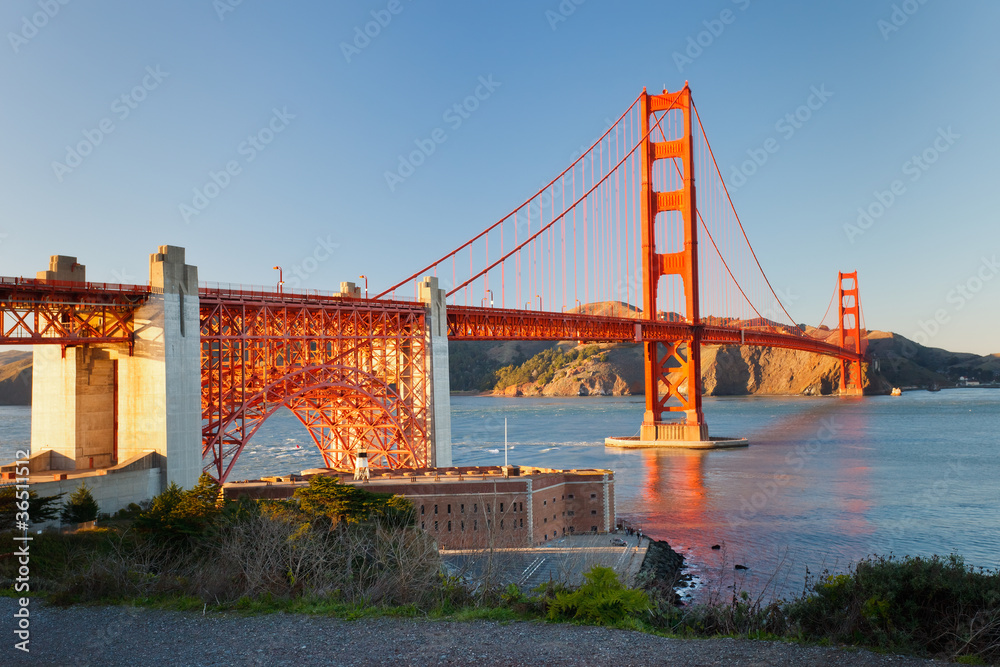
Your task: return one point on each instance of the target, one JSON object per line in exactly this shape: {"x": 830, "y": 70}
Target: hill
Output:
{"x": 15, "y": 377}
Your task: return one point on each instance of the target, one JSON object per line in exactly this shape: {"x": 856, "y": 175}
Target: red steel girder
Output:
{"x": 473, "y": 323}
{"x": 67, "y": 313}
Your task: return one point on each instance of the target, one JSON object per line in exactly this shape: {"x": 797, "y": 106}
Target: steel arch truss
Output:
{"x": 354, "y": 373}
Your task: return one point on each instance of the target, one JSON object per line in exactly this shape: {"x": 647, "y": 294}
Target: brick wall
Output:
{"x": 474, "y": 508}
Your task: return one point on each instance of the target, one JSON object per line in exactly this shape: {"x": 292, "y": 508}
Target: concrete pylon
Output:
{"x": 437, "y": 369}
{"x": 72, "y": 393}
{"x": 95, "y": 406}
{"x": 159, "y": 393}
{"x": 64, "y": 268}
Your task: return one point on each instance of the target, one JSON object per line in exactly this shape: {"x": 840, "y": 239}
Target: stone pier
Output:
{"x": 97, "y": 406}
{"x": 437, "y": 367}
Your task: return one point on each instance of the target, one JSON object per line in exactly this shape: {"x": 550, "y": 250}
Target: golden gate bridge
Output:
{"x": 636, "y": 241}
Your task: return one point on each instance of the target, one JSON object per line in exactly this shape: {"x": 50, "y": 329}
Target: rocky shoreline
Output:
{"x": 662, "y": 571}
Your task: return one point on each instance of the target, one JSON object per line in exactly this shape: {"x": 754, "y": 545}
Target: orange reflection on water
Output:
{"x": 852, "y": 486}
{"x": 819, "y": 453}
{"x": 675, "y": 483}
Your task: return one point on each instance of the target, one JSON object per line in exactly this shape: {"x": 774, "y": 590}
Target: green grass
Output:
{"x": 11, "y": 593}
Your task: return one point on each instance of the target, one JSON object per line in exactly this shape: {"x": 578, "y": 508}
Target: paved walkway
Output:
{"x": 125, "y": 636}
{"x": 564, "y": 559}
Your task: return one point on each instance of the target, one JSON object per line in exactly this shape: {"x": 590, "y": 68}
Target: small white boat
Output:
{"x": 896, "y": 391}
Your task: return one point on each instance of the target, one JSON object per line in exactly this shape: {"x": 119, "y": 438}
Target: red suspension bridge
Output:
{"x": 621, "y": 226}
{"x": 619, "y": 247}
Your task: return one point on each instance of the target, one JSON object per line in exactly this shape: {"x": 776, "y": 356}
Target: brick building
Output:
{"x": 476, "y": 507}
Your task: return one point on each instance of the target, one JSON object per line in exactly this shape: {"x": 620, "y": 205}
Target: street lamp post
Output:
{"x": 539, "y": 301}
{"x": 365, "y": 278}
{"x": 281, "y": 279}
{"x": 490, "y": 292}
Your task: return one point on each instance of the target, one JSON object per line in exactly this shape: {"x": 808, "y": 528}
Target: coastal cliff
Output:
{"x": 617, "y": 370}
{"x": 572, "y": 369}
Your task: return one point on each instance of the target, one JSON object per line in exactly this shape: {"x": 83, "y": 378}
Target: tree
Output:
{"x": 80, "y": 507}
{"x": 177, "y": 515}
{"x": 326, "y": 496}
{"x": 39, "y": 508}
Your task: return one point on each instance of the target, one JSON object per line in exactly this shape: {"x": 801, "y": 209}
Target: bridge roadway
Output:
{"x": 53, "y": 312}
{"x": 472, "y": 323}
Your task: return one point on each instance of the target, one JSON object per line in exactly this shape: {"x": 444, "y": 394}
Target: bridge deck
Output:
{"x": 471, "y": 323}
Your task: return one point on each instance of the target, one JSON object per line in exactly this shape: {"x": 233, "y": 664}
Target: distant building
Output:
{"x": 475, "y": 507}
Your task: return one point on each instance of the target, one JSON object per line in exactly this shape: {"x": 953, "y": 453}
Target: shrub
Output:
{"x": 80, "y": 507}
{"x": 602, "y": 599}
{"x": 542, "y": 367}
{"x": 923, "y": 605}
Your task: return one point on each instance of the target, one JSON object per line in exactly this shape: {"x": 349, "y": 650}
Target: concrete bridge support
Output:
{"x": 437, "y": 371}
{"x": 73, "y": 393}
{"x": 94, "y": 406}
{"x": 160, "y": 384}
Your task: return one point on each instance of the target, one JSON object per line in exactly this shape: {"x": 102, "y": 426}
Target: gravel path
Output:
{"x": 112, "y": 636}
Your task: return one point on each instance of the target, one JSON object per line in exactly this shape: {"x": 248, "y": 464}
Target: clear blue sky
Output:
{"x": 199, "y": 77}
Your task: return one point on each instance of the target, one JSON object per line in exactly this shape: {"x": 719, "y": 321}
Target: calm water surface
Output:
{"x": 825, "y": 481}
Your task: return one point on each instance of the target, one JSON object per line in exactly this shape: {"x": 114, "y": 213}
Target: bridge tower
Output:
{"x": 683, "y": 356}
{"x": 849, "y": 325}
